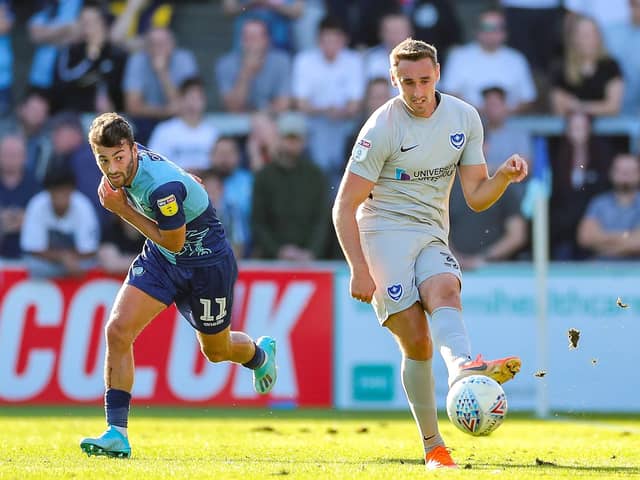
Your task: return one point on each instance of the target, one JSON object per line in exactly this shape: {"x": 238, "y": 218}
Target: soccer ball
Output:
{"x": 476, "y": 405}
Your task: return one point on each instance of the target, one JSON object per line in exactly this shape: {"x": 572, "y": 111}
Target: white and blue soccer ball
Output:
{"x": 476, "y": 405}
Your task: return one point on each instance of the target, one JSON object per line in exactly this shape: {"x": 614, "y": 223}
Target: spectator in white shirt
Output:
{"x": 187, "y": 138}
{"x": 488, "y": 62}
{"x": 328, "y": 86}
{"x": 60, "y": 232}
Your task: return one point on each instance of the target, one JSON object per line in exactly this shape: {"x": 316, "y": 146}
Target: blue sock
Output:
{"x": 116, "y": 406}
{"x": 257, "y": 360}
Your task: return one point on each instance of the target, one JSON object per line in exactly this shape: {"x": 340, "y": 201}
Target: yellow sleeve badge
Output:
{"x": 168, "y": 205}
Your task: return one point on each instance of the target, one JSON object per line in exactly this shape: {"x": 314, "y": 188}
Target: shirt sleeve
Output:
{"x": 133, "y": 79}
{"x": 33, "y": 235}
{"x": 300, "y": 82}
{"x": 186, "y": 66}
{"x": 167, "y": 203}
{"x": 284, "y": 69}
{"x": 87, "y": 233}
{"x": 595, "y": 208}
{"x": 224, "y": 74}
{"x": 160, "y": 140}
{"x": 356, "y": 79}
{"x": 528, "y": 92}
{"x": 472, "y": 150}
{"x": 450, "y": 73}
{"x": 371, "y": 150}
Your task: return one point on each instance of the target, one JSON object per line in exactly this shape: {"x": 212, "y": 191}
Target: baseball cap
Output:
{"x": 292, "y": 124}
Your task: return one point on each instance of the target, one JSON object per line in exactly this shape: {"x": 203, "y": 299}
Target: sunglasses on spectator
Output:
{"x": 491, "y": 26}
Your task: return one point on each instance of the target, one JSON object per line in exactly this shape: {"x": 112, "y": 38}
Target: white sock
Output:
{"x": 419, "y": 385}
{"x": 450, "y": 337}
{"x": 122, "y": 430}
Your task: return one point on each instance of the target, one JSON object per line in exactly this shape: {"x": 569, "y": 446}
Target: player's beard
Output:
{"x": 123, "y": 179}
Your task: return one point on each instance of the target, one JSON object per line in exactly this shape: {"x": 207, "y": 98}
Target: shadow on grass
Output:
{"x": 555, "y": 466}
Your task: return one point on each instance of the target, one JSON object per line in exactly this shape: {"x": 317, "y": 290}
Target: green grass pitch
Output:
{"x": 42, "y": 443}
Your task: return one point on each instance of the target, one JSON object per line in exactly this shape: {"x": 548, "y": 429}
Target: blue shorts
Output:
{"x": 204, "y": 295}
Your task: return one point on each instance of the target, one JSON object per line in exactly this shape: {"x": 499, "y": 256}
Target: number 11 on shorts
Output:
{"x": 206, "y": 316}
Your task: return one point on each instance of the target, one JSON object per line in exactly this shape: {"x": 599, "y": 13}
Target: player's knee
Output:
{"x": 216, "y": 354}
{"x": 419, "y": 347}
{"x": 446, "y": 295}
{"x": 118, "y": 336}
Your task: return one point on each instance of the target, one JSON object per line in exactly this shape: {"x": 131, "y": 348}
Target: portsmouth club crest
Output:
{"x": 395, "y": 292}
{"x": 457, "y": 140}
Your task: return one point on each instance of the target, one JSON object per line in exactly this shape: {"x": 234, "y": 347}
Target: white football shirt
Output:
{"x": 412, "y": 161}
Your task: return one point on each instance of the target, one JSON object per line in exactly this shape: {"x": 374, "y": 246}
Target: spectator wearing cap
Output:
{"x": 290, "y": 213}
{"x": 60, "y": 233}
{"x": 254, "y": 76}
{"x": 328, "y": 86}
{"x": 187, "y": 138}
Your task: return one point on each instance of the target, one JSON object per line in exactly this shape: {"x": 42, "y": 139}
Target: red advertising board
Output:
{"x": 52, "y": 343}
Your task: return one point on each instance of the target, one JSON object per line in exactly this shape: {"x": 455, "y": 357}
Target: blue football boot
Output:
{"x": 111, "y": 443}
{"x": 264, "y": 378}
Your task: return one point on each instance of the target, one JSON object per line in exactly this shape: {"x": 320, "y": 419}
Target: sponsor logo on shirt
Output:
{"x": 395, "y": 292}
{"x": 361, "y": 149}
{"x": 401, "y": 174}
{"x": 430, "y": 174}
{"x": 406, "y": 149}
{"x": 457, "y": 140}
{"x": 168, "y": 205}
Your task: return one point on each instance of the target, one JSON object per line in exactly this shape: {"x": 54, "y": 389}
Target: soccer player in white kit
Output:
{"x": 392, "y": 220}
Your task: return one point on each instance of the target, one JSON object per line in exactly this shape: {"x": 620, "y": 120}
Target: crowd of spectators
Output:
{"x": 308, "y": 73}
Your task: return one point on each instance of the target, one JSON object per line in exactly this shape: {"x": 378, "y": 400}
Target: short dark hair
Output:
{"x": 190, "y": 82}
{"x": 494, "y": 89}
{"x": 109, "y": 130}
{"x": 59, "y": 173}
{"x": 332, "y": 23}
{"x": 66, "y": 118}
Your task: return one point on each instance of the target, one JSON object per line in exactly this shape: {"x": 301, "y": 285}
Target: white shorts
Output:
{"x": 399, "y": 261}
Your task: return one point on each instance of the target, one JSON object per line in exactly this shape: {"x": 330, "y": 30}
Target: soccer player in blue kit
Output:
{"x": 186, "y": 259}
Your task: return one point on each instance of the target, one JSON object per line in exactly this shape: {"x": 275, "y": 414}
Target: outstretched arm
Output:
{"x": 352, "y": 192}
{"x": 481, "y": 191}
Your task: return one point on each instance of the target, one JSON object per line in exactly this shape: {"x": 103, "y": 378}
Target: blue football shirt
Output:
{"x": 164, "y": 192}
